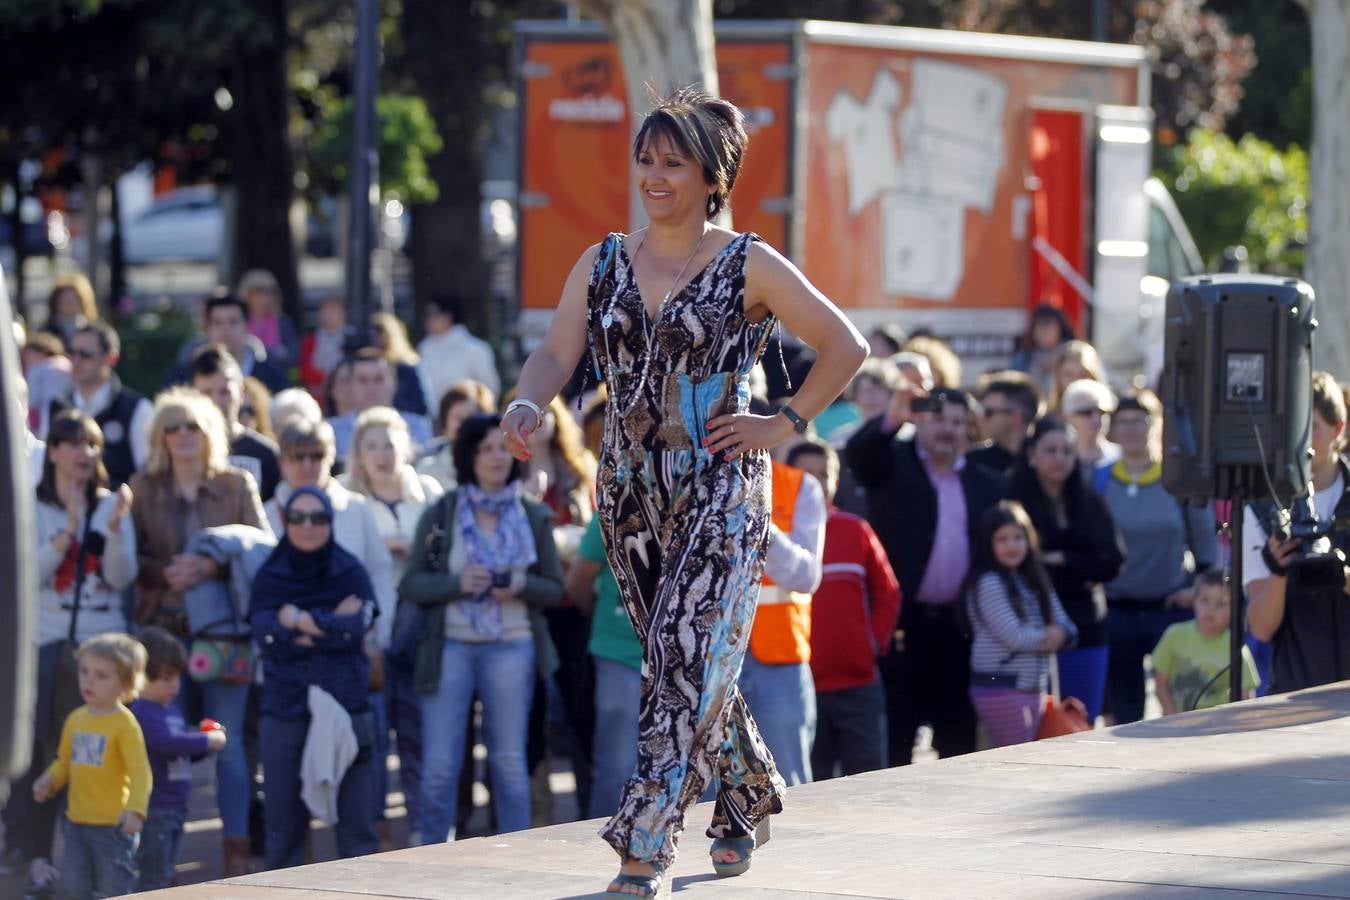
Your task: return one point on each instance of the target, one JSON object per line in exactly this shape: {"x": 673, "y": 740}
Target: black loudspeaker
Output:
{"x": 1237, "y": 387}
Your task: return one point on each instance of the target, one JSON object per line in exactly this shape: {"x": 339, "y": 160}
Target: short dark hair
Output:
{"x": 1143, "y": 400}
{"x": 1019, "y": 387}
{"x": 370, "y": 354}
{"x": 446, "y": 304}
{"x": 108, "y": 339}
{"x": 221, "y": 298}
{"x": 1215, "y": 576}
{"x": 213, "y": 359}
{"x": 164, "y": 653}
{"x": 815, "y": 446}
{"x": 1327, "y": 398}
{"x": 708, "y": 129}
{"x": 471, "y": 434}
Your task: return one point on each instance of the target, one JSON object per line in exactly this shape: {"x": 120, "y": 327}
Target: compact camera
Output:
{"x": 501, "y": 579}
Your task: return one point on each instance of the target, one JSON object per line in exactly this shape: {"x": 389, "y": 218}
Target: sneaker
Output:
{"x": 42, "y": 878}
{"x": 12, "y": 861}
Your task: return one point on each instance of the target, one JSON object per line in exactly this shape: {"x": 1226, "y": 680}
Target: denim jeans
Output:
{"x": 1082, "y": 674}
{"x": 283, "y": 745}
{"x": 1134, "y": 631}
{"x": 405, "y": 715}
{"x": 96, "y": 861}
{"x": 850, "y": 731}
{"x": 226, "y": 702}
{"x": 379, "y": 797}
{"x": 502, "y": 674}
{"x": 158, "y": 853}
{"x": 782, "y": 700}
{"x": 617, "y": 689}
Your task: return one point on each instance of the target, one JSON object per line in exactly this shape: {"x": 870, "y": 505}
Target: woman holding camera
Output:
{"x": 484, "y": 566}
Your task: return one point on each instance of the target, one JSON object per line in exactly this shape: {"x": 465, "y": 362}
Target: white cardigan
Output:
{"x": 101, "y": 595}
{"x": 419, "y": 491}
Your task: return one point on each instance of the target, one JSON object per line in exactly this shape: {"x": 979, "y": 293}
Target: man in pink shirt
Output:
{"x": 923, "y": 498}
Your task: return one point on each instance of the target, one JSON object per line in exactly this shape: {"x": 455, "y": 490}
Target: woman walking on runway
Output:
{"x": 674, "y": 317}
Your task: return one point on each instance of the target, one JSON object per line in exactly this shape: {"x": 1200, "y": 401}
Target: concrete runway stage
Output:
{"x": 1251, "y": 799}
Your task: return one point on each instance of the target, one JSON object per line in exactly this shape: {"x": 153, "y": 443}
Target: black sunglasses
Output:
{"x": 312, "y": 456}
{"x": 319, "y": 518}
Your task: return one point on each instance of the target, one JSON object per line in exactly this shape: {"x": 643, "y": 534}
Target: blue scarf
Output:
{"x": 510, "y": 546}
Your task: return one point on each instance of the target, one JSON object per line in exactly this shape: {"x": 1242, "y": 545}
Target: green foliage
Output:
{"x": 407, "y": 136}
{"x": 1245, "y": 192}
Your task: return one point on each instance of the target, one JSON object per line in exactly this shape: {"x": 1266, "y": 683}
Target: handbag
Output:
{"x": 214, "y": 659}
{"x": 65, "y": 695}
{"x": 1061, "y": 716}
{"x": 217, "y": 654}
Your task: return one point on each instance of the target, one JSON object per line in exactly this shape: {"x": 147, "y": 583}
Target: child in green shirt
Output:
{"x": 1191, "y": 661}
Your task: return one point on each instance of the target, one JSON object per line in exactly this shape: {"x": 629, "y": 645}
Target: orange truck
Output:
{"x": 942, "y": 180}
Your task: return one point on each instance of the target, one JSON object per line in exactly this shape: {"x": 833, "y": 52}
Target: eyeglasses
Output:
{"x": 179, "y": 426}
{"x": 85, "y": 354}
{"x": 317, "y": 519}
{"x": 1084, "y": 413}
{"x": 991, "y": 411}
{"x": 313, "y": 456}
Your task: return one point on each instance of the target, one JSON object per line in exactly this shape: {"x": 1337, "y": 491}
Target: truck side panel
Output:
{"x": 576, "y": 133}
{"x": 917, "y": 188}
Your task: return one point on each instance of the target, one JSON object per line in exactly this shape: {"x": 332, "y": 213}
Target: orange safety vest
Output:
{"x": 781, "y": 633}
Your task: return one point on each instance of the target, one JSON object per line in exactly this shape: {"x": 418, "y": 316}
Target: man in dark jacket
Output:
{"x": 122, "y": 414}
{"x": 924, "y": 499}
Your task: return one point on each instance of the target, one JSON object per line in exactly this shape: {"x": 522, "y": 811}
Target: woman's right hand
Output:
{"x": 350, "y": 605}
{"x": 120, "y": 511}
{"x": 475, "y": 580}
{"x": 517, "y": 426}
{"x": 1054, "y": 638}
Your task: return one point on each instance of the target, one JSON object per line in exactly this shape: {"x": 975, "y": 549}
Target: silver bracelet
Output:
{"x": 527, "y": 404}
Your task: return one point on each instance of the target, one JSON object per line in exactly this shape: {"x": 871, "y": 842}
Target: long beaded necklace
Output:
{"x": 648, "y": 332}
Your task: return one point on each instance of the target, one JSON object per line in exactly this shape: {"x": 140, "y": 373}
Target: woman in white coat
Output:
{"x": 381, "y": 470}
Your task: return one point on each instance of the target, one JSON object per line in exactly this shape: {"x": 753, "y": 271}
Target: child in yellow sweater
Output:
{"x": 102, "y": 758}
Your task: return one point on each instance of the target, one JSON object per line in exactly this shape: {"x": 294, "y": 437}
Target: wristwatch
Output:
{"x": 799, "y": 424}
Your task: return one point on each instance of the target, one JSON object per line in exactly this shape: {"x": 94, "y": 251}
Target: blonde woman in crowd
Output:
{"x": 70, "y": 307}
{"x": 186, "y": 486}
{"x": 1087, "y": 404}
{"x": 381, "y": 471}
{"x": 1077, "y": 360}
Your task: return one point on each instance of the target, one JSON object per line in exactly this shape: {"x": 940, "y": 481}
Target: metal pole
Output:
{"x": 1237, "y": 628}
{"x": 362, "y": 185}
{"x": 1099, "y": 20}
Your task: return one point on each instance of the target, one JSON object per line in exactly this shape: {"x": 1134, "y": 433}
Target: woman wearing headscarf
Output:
{"x": 311, "y": 607}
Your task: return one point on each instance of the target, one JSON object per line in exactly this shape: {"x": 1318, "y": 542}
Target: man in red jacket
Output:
{"x": 852, "y": 615}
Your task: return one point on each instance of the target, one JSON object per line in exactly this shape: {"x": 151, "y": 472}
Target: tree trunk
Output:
{"x": 662, "y": 43}
{"x": 1328, "y": 268}
{"x": 264, "y": 176}
{"x": 445, "y": 50}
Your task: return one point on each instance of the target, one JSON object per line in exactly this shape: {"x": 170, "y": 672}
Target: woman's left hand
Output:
{"x": 508, "y": 593}
{"x": 187, "y": 570}
{"x": 120, "y": 510}
{"x": 739, "y": 433}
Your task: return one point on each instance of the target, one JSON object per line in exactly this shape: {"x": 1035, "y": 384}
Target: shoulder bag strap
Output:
{"x": 79, "y": 574}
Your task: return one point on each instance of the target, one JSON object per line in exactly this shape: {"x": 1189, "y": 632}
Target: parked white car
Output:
{"x": 185, "y": 224}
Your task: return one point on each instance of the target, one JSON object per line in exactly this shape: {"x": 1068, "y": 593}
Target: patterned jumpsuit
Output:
{"x": 685, "y": 533}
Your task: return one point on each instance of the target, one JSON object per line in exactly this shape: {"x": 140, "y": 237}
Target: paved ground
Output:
{"x": 1251, "y": 799}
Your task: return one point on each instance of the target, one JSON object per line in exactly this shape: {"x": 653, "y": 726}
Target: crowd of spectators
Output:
{"x": 324, "y": 555}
